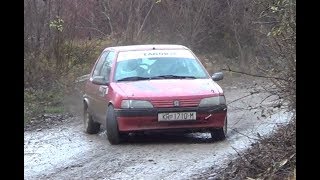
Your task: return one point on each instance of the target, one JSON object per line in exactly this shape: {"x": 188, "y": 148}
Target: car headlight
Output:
{"x": 135, "y": 104}
{"x": 212, "y": 101}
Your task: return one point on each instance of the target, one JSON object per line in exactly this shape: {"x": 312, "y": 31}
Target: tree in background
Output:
{"x": 61, "y": 35}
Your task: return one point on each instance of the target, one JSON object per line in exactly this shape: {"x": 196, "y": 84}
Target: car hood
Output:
{"x": 170, "y": 88}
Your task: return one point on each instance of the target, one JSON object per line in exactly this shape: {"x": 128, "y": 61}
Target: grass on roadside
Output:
{"x": 38, "y": 102}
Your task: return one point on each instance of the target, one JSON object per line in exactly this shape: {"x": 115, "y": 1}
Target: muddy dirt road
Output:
{"x": 66, "y": 152}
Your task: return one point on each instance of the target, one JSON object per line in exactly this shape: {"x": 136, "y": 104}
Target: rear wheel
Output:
{"x": 112, "y": 126}
{"x": 90, "y": 126}
{"x": 221, "y": 133}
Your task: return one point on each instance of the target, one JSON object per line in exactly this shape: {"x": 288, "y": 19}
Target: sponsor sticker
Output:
{"x": 154, "y": 54}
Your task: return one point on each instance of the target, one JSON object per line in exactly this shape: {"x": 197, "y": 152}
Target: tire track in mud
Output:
{"x": 66, "y": 152}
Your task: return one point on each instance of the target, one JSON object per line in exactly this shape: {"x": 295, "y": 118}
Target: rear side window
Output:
{"x": 106, "y": 67}
{"x": 102, "y": 57}
{"x": 103, "y": 67}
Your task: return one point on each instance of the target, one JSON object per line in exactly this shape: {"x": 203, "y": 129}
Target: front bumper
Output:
{"x": 130, "y": 120}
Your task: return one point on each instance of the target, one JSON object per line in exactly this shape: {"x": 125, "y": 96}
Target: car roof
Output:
{"x": 147, "y": 47}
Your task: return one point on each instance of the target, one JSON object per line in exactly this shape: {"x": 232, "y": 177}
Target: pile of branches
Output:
{"x": 271, "y": 158}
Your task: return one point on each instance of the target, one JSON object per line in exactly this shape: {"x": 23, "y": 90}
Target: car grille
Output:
{"x": 169, "y": 103}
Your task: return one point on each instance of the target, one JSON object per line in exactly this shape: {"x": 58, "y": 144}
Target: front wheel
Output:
{"x": 221, "y": 133}
{"x": 112, "y": 126}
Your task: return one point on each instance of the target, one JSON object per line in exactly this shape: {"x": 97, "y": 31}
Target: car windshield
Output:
{"x": 158, "y": 64}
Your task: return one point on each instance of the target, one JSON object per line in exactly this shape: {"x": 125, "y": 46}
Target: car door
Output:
{"x": 103, "y": 98}
{"x": 93, "y": 89}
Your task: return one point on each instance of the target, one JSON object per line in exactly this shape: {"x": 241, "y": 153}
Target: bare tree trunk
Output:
{"x": 107, "y": 15}
{"x": 49, "y": 30}
{"x": 236, "y": 35}
{"x": 129, "y": 29}
{"x": 58, "y": 48}
{"x": 144, "y": 21}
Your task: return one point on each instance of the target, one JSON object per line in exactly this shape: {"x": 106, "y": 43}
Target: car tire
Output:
{"x": 90, "y": 126}
{"x": 112, "y": 126}
{"x": 221, "y": 133}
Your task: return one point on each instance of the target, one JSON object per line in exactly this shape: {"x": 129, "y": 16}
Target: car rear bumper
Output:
{"x": 130, "y": 120}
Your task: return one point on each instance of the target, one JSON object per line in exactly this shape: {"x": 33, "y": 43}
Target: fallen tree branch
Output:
{"x": 241, "y": 157}
{"x": 251, "y": 93}
{"x": 257, "y": 139}
{"x": 254, "y": 75}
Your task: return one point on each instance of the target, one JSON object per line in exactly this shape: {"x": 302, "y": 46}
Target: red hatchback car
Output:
{"x": 153, "y": 87}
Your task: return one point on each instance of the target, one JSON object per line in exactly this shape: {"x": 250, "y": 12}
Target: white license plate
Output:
{"x": 177, "y": 116}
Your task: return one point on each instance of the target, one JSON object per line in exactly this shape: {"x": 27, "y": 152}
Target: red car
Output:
{"x": 142, "y": 88}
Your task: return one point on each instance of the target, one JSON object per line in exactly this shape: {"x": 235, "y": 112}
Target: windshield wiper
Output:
{"x": 133, "y": 78}
{"x": 172, "y": 77}
{"x": 137, "y": 78}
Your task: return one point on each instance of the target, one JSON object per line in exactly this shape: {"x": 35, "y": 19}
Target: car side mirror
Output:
{"x": 99, "y": 80}
{"x": 217, "y": 76}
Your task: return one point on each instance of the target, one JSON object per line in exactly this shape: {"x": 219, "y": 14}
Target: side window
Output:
{"x": 106, "y": 67}
{"x": 97, "y": 69}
